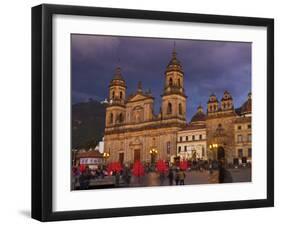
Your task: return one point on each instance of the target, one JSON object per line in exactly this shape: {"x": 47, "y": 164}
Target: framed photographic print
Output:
{"x": 146, "y": 112}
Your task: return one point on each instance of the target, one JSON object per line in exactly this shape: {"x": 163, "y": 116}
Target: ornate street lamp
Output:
{"x": 105, "y": 156}
{"x": 153, "y": 153}
{"x": 213, "y": 148}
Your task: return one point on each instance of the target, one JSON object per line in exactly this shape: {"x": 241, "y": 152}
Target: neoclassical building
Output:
{"x": 222, "y": 124}
{"x": 192, "y": 139}
{"x": 133, "y": 131}
{"x": 223, "y": 132}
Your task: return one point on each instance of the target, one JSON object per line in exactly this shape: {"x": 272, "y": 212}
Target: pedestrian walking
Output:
{"x": 210, "y": 167}
{"x": 177, "y": 179}
{"x": 224, "y": 174}
{"x": 127, "y": 175}
{"x": 84, "y": 180}
{"x": 181, "y": 177}
{"x": 162, "y": 178}
{"x": 117, "y": 178}
{"x": 171, "y": 176}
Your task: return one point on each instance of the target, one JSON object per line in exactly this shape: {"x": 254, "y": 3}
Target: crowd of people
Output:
{"x": 175, "y": 172}
{"x": 169, "y": 173}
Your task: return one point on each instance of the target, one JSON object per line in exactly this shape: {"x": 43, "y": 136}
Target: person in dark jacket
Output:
{"x": 224, "y": 174}
{"x": 127, "y": 175}
{"x": 177, "y": 179}
{"x": 117, "y": 178}
{"x": 84, "y": 180}
{"x": 171, "y": 176}
{"x": 181, "y": 177}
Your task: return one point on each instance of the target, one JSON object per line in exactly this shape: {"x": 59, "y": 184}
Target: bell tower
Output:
{"x": 173, "y": 97}
{"x": 226, "y": 102}
{"x": 115, "y": 111}
{"x": 117, "y": 88}
{"x": 213, "y": 104}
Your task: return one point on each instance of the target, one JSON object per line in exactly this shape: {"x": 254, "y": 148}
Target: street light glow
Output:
{"x": 213, "y": 146}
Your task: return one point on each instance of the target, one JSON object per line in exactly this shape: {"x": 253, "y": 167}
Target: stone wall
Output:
{"x": 144, "y": 141}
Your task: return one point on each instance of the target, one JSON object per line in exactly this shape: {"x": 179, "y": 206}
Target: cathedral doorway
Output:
{"x": 136, "y": 155}
{"x": 220, "y": 153}
{"x": 121, "y": 158}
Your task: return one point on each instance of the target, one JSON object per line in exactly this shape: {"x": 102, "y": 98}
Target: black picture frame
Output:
{"x": 42, "y": 111}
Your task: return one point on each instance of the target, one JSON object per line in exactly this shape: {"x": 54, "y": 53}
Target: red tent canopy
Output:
{"x": 114, "y": 167}
{"x": 161, "y": 166}
{"x": 138, "y": 169}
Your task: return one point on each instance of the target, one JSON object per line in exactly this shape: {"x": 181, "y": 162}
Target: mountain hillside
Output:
{"x": 88, "y": 122}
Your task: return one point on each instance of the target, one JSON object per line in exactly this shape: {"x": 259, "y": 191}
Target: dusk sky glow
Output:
{"x": 209, "y": 67}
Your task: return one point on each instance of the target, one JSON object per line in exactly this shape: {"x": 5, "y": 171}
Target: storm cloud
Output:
{"x": 209, "y": 67}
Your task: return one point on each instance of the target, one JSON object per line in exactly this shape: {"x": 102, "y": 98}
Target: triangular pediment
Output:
{"x": 138, "y": 97}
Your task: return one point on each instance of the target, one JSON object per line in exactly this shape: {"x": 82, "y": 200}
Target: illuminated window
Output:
{"x": 240, "y": 153}
{"x": 239, "y": 138}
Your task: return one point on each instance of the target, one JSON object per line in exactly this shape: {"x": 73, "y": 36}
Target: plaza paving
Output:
{"x": 192, "y": 177}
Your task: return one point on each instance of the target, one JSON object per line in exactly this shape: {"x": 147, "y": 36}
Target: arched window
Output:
{"x": 170, "y": 81}
{"x": 138, "y": 114}
{"x": 121, "y": 117}
{"x": 111, "y": 118}
{"x": 169, "y": 110}
{"x": 180, "y": 109}
{"x": 211, "y": 108}
{"x": 179, "y": 82}
{"x": 224, "y": 105}
{"x": 121, "y": 95}
{"x": 113, "y": 94}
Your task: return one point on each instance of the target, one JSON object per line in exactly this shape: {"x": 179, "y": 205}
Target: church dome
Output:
{"x": 199, "y": 116}
{"x": 118, "y": 79}
{"x": 174, "y": 64}
{"x": 118, "y": 74}
{"x": 247, "y": 106}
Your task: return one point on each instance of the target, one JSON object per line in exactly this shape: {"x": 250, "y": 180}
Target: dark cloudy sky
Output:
{"x": 209, "y": 66}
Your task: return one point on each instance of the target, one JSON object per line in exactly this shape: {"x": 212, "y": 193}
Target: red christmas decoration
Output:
{"x": 161, "y": 166}
{"x": 114, "y": 167}
{"x": 183, "y": 165}
{"x": 138, "y": 169}
{"x": 82, "y": 168}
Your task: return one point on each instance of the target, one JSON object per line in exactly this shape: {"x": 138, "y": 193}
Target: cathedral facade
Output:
{"x": 133, "y": 132}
